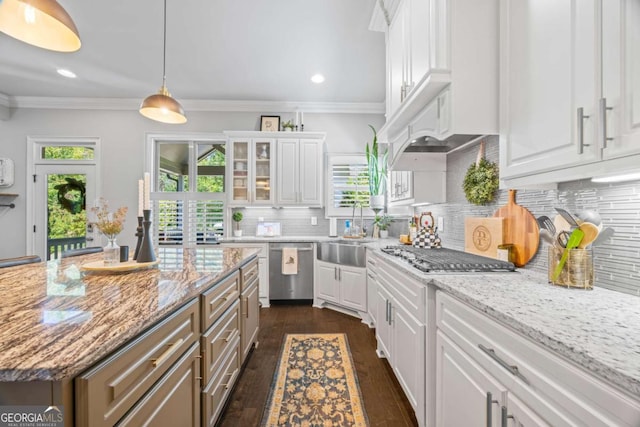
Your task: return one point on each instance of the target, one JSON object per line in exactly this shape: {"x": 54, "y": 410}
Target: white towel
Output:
{"x": 289, "y": 261}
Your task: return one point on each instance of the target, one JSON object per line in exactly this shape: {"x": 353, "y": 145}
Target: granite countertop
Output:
{"x": 597, "y": 329}
{"x": 57, "y": 321}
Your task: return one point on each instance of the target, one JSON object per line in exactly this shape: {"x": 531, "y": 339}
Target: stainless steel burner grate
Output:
{"x": 448, "y": 260}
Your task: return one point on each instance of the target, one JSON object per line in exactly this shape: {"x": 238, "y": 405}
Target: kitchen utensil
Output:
{"x": 544, "y": 222}
{"x": 561, "y": 224}
{"x": 483, "y": 235}
{"x": 547, "y": 236}
{"x": 574, "y": 241}
{"x": 521, "y": 230}
{"x": 590, "y": 233}
{"x": 590, "y": 216}
{"x": 605, "y": 234}
{"x": 563, "y": 238}
{"x": 568, "y": 217}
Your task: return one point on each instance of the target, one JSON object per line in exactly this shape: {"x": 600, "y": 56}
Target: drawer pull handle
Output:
{"x": 231, "y": 335}
{"x": 224, "y": 298}
{"x": 490, "y": 402}
{"x": 246, "y": 312}
{"x": 511, "y": 368}
{"x": 231, "y": 376}
{"x": 168, "y": 352}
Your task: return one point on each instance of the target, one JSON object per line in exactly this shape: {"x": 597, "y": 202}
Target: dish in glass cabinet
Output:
{"x": 121, "y": 267}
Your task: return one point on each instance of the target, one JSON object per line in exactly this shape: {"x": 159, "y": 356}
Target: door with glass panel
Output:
{"x": 252, "y": 172}
{"x": 64, "y": 187}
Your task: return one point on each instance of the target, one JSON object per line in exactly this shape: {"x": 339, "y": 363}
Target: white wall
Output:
{"x": 122, "y": 135}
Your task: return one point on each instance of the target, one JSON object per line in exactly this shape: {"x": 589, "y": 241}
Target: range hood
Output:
{"x": 429, "y": 144}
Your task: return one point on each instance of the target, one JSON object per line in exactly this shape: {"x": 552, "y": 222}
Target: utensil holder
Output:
{"x": 577, "y": 271}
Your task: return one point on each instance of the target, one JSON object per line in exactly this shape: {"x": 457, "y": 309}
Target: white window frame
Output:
{"x": 342, "y": 212}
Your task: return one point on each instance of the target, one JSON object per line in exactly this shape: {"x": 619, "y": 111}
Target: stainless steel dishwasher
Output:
{"x": 291, "y": 287}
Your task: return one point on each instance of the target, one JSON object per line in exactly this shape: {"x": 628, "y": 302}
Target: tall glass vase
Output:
{"x": 111, "y": 252}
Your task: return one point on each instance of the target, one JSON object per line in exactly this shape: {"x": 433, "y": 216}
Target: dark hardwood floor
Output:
{"x": 384, "y": 401}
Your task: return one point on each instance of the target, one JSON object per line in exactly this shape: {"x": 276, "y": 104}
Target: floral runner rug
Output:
{"x": 315, "y": 384}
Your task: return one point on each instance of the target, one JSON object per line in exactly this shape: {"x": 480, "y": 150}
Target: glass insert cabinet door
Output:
{"x": 252, "y": 171}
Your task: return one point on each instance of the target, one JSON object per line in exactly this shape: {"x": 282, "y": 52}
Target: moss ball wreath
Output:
{"x": 481, "y": 182}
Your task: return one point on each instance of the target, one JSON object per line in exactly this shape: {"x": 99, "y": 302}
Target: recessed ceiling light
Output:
{"x": 317, "y": 78}
{"x": 66, "y": 73}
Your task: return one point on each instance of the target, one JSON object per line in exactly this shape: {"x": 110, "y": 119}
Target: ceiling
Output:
{"x": 241, "y": 50}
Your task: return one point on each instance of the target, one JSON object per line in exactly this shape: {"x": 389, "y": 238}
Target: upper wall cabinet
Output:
{"x": 300, "y": 170}
{"x": 251, "y": 170}
{"x": 439, "y": 52}
{"x": 570, "y": 89}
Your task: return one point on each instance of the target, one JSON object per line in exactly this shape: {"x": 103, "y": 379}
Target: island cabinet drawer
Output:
{"x": 104, "y": 393}
{"x": 216, "y": 392}
{"x": 174, "y": 400}
{"x": 219, "y": 298}
{"x": 217, "y": 340}
{"x": 557, "y": 390}
{"x": 249, "y": 274}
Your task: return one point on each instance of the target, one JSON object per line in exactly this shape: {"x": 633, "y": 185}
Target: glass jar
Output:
{"x": 111, "y": 254}
{"x": 577, "y": 271}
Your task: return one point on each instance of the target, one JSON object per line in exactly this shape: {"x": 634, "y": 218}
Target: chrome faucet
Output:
{"x": 360, "y": 233}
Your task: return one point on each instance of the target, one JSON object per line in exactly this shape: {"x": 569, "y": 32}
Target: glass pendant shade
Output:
{"x": 42, "y": 23}
{"x": 163, "y": 108}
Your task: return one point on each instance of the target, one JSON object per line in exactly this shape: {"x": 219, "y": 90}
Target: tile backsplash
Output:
{"x": 616, "y": 261}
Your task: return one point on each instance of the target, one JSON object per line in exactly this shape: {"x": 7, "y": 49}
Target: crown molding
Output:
{"x": 197, "y": 105}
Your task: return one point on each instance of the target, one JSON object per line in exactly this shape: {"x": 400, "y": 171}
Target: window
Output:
{"x": 189, "y": 196}
{"x": 348, "y": 185}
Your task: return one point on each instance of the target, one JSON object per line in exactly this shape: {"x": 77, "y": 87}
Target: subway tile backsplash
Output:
{"x": 616, "y": 262}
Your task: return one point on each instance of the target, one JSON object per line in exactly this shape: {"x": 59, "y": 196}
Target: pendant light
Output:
{"x": 161, "y": 106}
{"x": 42, "y": 23}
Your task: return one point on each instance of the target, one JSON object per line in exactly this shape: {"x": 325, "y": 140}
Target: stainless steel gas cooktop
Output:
{"x": 443, "y": 260}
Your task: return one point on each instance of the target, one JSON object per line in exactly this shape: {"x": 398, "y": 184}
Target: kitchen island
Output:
{"x": 58, "y": 321}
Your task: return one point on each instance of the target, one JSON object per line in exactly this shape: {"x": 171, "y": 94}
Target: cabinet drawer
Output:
{"x": 174, "y": 400}
{"x": 249, "y": 273}
{"x": 410, "y": 293}
{"x": 218, "y": 299}
{"x": 217, "y": 391}
{"x": 217, "y": 340}
{"x": 541, "y": 376}
{"x": 107, "y": 391}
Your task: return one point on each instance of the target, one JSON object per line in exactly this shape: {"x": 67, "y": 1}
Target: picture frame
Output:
{"x": 269, "y": 123}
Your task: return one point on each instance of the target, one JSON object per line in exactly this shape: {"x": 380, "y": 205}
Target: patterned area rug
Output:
{"x": 315, "y": 384}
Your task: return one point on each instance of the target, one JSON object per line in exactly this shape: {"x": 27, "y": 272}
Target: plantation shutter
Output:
{"x": 348, "y": 185}
{"x": 189, "y": 219}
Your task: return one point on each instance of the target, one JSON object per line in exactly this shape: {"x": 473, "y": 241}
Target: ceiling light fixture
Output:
{"x": 66, "y": 73}
{"x": 618, "y": 178}
{"x": 42, "y": 23}
{"x": 161, "y": 106}
{"x": 317, "y": 78}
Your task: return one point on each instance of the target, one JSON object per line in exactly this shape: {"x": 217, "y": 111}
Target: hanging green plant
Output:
{"x": 481, "y": 181}
{"x": 71, "y": 195}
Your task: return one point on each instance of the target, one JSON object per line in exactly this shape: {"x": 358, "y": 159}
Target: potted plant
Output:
{"x": 287, "y": 126}
{"x": 383, "y": 222}
{"x": 377, "y": 168}
{"x": 237, "y": 217}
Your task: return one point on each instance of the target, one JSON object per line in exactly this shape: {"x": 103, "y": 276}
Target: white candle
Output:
{"x": 147, "y": 190}
{"x": 140, "y": 196}
{"x": 301, "y": 118}
{"x": 297, "y": 118}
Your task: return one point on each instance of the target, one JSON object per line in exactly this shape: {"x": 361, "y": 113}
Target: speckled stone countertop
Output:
{"x": 57, "y": 321}
{"x": 597, "y": 329}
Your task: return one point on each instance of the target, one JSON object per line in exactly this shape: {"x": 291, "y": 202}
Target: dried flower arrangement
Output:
{"x": 109, "y": 223}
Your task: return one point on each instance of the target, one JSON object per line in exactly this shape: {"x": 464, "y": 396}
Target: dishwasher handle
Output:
{"x": 299, "y": 250}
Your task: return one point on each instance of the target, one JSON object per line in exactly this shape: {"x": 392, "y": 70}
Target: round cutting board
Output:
{"x": 520, "y": 229}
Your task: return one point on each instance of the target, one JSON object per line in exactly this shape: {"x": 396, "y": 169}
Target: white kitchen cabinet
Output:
{"x": 400, "y": 186}
{"x": 433, "y": 46}
{"x": 530, "y": 385}
{"x": 341, "y": 285}
{"x": 251, "y": 172}
{"x": 372, "y": 290}
{"x": 300, "y": 171}
{"x": 569, "y": 90}
{"x": 401, "y": 331}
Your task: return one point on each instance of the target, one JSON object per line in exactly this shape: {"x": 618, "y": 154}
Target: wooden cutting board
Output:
{"x": 520, "y": 229}
{"x": 483, "y": 235}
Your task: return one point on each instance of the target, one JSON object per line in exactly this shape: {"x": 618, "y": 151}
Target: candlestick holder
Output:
{"x": 146, "y": 253}
{"x": 139, "y": 235}
{"x": 302, "y": 128}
